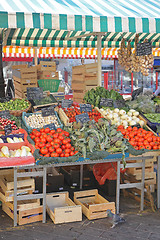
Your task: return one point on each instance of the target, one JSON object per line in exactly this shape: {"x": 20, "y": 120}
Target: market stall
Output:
{"x": 107, "y": 132}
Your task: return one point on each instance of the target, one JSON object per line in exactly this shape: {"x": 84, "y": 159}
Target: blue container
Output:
{"x": 29, "y": 129}
{"x": 152, "y": 125}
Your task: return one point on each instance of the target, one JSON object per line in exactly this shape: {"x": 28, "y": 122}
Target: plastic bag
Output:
{"x": 103, "y": 171}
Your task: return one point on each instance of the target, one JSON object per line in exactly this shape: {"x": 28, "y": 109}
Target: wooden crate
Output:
{"x": 77, "y": 78}
{"x": 47, "y": 75}
{"x": 62, "y": 209}
{"x": 46, "y": 66}
{"x": 25, "y": 75}
{"x": 20, "y": 66}
{"x": 78, "y": 100}
{"x": 25, "y": 216}
{"x": 91, "y": 68}
{"x": 78, "y": 70}
{"x": 64, "y": 117}
{"x": 94, "y": 206}
{"x": 24, "y": 186}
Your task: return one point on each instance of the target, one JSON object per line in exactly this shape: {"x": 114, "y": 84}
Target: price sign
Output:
{"x": 48, "y": 111}
{"x": 119, "y": 103}
{"x": 144, "y": 49}
{"x": 5, "y": 114}
{"x": 106, "y": 102}
{"x": 51, "y": 126}
{"x": 85, "y": 107}
{"x": 8, "y": 129}
{"x": 84, "y": 117}
{"x": 66, "y": 103}
{"x": 34, "y": 93}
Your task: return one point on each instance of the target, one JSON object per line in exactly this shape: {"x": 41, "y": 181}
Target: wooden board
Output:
{"x": 47, "y": 75}
{"x": 62, "y": 209}
{"x": 64, "y": 117}
{"x": 25, "y": 216}
{"x": 19, "y": 66}
{"x": 94, "y": 206}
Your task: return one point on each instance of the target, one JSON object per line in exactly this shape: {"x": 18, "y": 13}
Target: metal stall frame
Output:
{"x": 43, "y": 172}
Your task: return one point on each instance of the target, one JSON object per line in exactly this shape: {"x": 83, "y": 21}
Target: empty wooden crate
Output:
{"x": 62, "y": 209}
{"x": 94, "y": 206}
{"x": 25, "y": 186}
{"x": 28, "y": 211}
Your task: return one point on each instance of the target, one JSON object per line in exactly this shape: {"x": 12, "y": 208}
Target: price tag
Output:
{"x": 48, "y": 111}
{"x": 144, "y": 49}
{"x": 34, "y": 93}
{"x": 51, "y": 126}
{"x": 8, "y": 129}
{"x": 106, "y": 102}
{"x": 85, "y": 108}
{"x": 84, "y": 117}
{"x": 66, "y": 103}
{"x": 119, "y": 103}
{"x": 5, "y": 114}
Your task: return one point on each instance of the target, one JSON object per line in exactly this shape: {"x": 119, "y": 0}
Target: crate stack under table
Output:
{"x": 150, "y": 174}
{"x": 84, "y": 78}
{"x": 28, "y": 211}
{"x": 47, "y": 70}
{"x": 23, "y": 77}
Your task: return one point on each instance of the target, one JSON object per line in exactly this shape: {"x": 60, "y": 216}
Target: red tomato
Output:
{"x": 54, "y": 154}
{"x": 148, "y": 147}
{"x": 141, "y": 147}
{"x": 32, "y": 136}
{"x": 68, "y": 145}
{"x": 55, "y": 135}
{"x": 47, "y": 155}
{"x": 136, "y": 147}
{"x": 61, "y": 138}
{"x": 72, "y": 149}
{"x": 56, "y": 145}
{"x": 43, "y": 140}
{"x": 135, "y": 128}
{"x": 57, "y": 140}
{"x": 42, "y": 130}
{"x": 48, "y": 145}
{"x": 68, "y": 150}
{"x": 151, "y": 144}
{"x": 132, "y": 143}
{"x": 63, "y": 147}
{"x": 66, "y": 133}
{"x": 71, "y": 153}
{"x": 44, "y": 150}
{"x": 41, "y": 144}
{"x": 129, "y": 129}
{"x": 155, "y": 147}
{"x": 145, "y": 142}
{"x": 62, "y": 155}
{"x": 59, "y": 130}
{"x": 49, "y": 139}
{"x": 59, "y": 150}
{"x": 51, "y": 149}
{"x": 47, "y": 130}
{"x": 37, "y": 139}
{"x": 76, "y": 152}
{"x": 66, "y": 155}
{"x": 37, "y": 134}
{"x": 123, "y": 131}
{"x": 52, "y": 131}
{"x": 64, "y": 141}
{"x": 68, "y": 140}
{"x": 36, "y": 146}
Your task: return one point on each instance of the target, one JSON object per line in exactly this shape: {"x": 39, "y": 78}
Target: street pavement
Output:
{"x": 138, "y": 226}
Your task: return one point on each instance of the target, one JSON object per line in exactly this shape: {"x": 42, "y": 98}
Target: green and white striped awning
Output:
{"x": 55, "y": 22}
{"x": 55, "y": 38}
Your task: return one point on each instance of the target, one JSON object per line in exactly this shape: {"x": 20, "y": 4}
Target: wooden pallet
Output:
{"x": 94, "y": 206}
{"x": 25, "y": 186}
{"x": 62, "y": 209}
{"x": 25, "y": 216}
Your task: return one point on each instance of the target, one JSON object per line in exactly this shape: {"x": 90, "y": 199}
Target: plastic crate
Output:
{"x": 28, "y": 128}
{"x": 51, "y": 85}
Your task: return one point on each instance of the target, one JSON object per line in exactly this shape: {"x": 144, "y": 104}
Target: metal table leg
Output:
{"x": 81, "y": 176}
{"x": 118, "y": 187}
{"x": 44, "y": 193}
{"x": 15, "y": 197}
{"x": 158, "y": 182}
{"x": 142, "y": 186}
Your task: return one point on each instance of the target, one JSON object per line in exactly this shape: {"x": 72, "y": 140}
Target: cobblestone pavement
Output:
{"x": 142, "y": 226}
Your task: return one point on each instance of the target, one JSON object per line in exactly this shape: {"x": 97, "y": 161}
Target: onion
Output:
{"x": 129, "y": 114}
{"x": 122, "y": 112}
{"x": 131, "y": 123}
{"x": 124, "y": 117}
{"x": 128, "y": 119}
{"x": 132, "y": 110}
{"x": 124, "y": 123}
{"x": 115, "y": 115}
{"x": 141, "y": 122}
{"x": 116, "y": 110}
{"x": 135, "y": 113}
{"x": 109, "y": 116}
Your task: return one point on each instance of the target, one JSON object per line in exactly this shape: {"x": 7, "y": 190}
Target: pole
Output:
{"x": 35, "y": 57}
{"x": 131, "y": 82}
{"x": 99, "y": 59}
{"x": 2, "y": 84}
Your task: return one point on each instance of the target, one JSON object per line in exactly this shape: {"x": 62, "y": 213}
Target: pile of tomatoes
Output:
{"x": 53, "y": 143}
{"x": 75, "y": 110}
{"x": 140, "y": 138}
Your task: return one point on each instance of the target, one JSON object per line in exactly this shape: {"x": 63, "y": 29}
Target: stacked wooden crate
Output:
{"x": 28, "y": 211}
{"x": 84, "y": 78}
{"x": 23, "y": 77}
{"x": 47, "y": 70}
{"x": 150, "y": 175}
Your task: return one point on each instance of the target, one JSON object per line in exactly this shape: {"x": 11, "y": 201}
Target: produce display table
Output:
{"x": 42, "y": 171}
